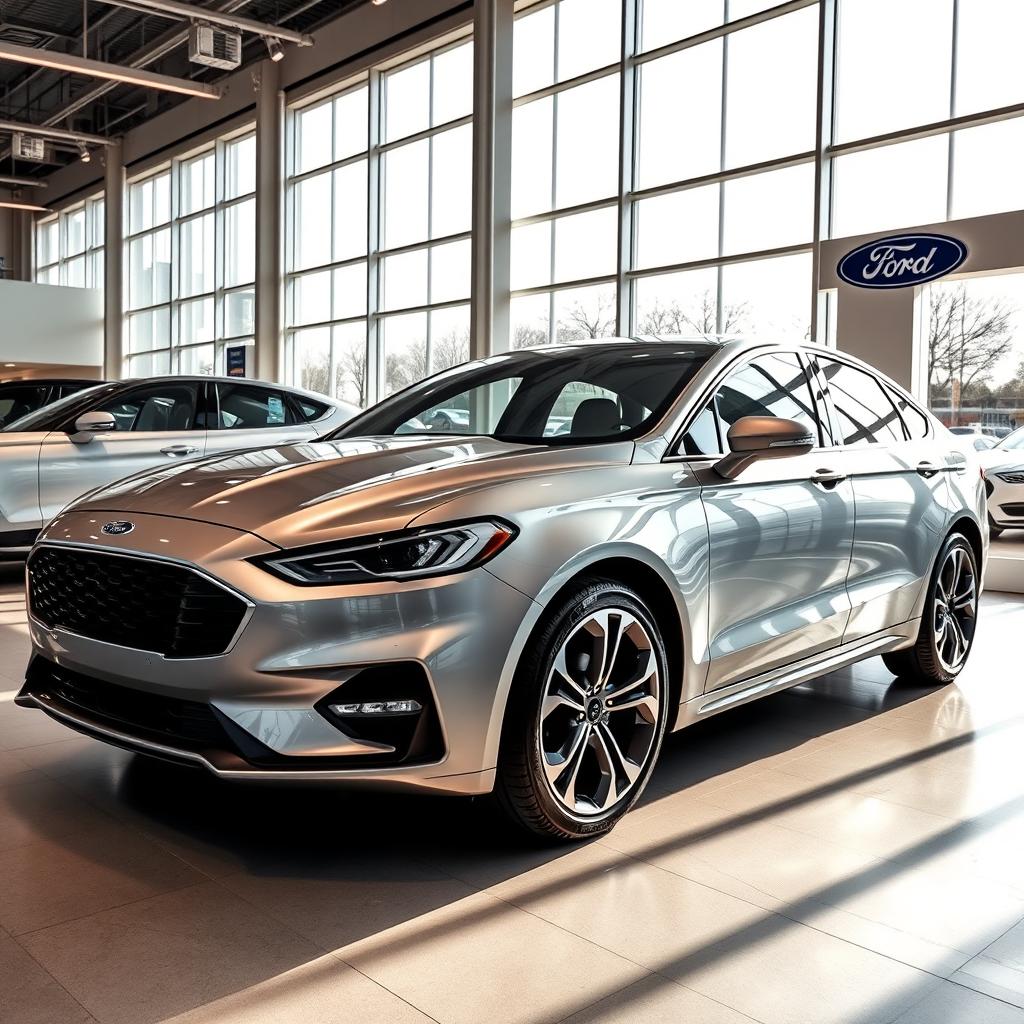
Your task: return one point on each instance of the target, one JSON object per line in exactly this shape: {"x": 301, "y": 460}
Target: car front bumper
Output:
{"x": 1005, "y": 500}
{"x": 297, "y": 647}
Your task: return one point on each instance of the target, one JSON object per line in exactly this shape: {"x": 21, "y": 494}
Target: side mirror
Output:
{"x": 754, "y": 438}
{"x": 89, "y": 424}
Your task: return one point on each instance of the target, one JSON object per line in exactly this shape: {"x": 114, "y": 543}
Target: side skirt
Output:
{"x": 708, "y": 704}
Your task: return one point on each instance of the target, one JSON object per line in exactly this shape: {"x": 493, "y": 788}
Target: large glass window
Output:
{"x": 702, "y": 225}
{"x": 191, "y": 260}
{"x": 378, "y": 295}
{"x": 69, "y": 246}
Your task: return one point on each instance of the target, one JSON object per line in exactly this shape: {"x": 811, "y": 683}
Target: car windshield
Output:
{"x": 1014, "y": 441}
{"x": 579, "y": 394}
{"x": 48, "y": 415}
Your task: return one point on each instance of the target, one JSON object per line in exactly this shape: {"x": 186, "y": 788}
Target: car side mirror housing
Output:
{"x": 754, "y": 438}
{"x": 89, "y": 424}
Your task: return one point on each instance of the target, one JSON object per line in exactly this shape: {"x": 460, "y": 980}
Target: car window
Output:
{"x": 155, "y": 407}
{"x": 583, "y": 408}
{"x": 1014, "y": 441}
{"x": 702, "y": 438}
{"x": 865, "y": 412}
{"x": 20, "y": 401}
{"x": 913, "y": 419}
{"x": 308, "y": 409}
{"x": 250, "y": 407}
{"x": 770, "y": 385}
{"x": 473, "y": 412}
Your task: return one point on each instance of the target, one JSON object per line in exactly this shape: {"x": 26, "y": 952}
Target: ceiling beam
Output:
{"x": 61, "y": 134}
{"x": 192, "y": 12}
{"x": 7, "y": 180}
{"x": 73, "y": 64}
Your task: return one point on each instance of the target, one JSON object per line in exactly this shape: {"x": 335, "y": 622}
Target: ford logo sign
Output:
{"x": 902, "y": 261}
{"x": 118, "y": 529}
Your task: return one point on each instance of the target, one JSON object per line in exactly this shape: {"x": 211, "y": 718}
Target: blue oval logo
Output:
{"x": 902, "y": 261}
{"x": 119, "y": 528}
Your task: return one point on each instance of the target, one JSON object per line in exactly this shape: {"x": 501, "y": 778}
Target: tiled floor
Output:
{"x": 852, "y": 851}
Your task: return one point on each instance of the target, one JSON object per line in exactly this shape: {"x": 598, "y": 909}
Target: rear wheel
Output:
{"x": 949, "y": 620}
{"x": 587, "y": 715}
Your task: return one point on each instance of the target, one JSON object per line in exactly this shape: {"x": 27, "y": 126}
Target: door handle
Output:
{"x": 928, "y": 469}
{"x": 827, "y": 478}
{"x": 179, "y": 449}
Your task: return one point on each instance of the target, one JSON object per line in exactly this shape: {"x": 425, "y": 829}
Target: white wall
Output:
{"x": 47, "y": 325}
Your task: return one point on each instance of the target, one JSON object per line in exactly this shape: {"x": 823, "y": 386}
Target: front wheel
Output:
{"x": 586, "y": 716}
{"x": 949, "y": 621}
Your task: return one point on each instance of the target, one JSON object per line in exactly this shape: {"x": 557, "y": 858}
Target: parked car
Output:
{"x": 95, "y": 436}
{"x": 976, "y": 430}
{"x": 507, "y": 610}
{"x": 1004, "y": 483}
{"x": 20, "y": 397}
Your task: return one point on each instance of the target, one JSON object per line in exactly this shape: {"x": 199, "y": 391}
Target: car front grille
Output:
{"x": 139, "y": 603}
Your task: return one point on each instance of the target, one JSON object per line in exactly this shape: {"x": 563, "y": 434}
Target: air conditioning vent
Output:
{"x": 214, "y": 47}
{"x": 28, "y": 147}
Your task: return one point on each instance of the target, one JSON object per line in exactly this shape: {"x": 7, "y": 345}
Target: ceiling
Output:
{"x": 120, "y": 36}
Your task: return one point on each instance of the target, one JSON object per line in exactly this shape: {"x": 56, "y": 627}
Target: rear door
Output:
{"x": 246, "y": 415}
{"x": 780, "y": 534}
{"x": 156, "y": 426}
{"x": 900, "y": 493}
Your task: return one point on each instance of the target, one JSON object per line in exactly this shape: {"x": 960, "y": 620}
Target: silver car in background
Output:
{"x": 57, "y": 453}
{"x": 623, "y": 538}
{"x": 1004, "y": 482}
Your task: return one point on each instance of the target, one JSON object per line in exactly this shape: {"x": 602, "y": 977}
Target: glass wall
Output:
{"x": 379, "y": 215}
{"x": 69, "y": 246}
{"x": 190, "y": 260}
{"x": 963, "y": 55}
{"x": 713, "y": 230}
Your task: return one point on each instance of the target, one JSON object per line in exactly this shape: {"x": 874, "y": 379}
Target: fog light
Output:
{"x": 378, "y": 707}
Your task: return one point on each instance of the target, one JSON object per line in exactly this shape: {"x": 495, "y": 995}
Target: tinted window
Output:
{"x": 161, "y": 407}
{"x": 16, "y": 402}
{"x": 573, "y": 394}
{"x": 308, "y": 409}
{"x": 771, "y": 385}
{"x": 913, "y": 419}
{"x": 865, "y": 413}
{"x": 247, "y": 407}
{"x": 57, "y": 415}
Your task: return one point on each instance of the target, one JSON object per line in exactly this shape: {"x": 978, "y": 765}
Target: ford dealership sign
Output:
{"x": 902, "y": 261}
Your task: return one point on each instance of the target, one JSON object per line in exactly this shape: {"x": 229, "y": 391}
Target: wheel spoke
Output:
{"x": 606, "y": 667}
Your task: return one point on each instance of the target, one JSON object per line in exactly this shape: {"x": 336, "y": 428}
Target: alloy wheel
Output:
{"x": 599, "y": 712}
{"x": 955, "y": 609}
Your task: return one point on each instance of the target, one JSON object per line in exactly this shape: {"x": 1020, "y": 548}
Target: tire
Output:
{"x": 945, "y": 640}
{"x": 578, "y": 742}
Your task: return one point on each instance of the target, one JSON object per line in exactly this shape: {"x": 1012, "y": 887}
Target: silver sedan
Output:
{"x": 508, "y": 607}
{"x": 57, "y": 453}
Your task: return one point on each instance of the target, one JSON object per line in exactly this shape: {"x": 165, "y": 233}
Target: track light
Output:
{"x": 378, "y": 3}
{"x": 83, "y": 152}
{"x": 274, "y": 48}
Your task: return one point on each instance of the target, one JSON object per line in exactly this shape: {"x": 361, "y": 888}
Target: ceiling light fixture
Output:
{"x": 379, "y": 3}
{"x": 24, "y": 206}
{"x": 274, "y": 48}
{"x": 83, "y": 152}
{"x": 75, "y": 65}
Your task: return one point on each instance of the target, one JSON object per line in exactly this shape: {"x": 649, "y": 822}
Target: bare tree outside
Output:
{"x": 968, "y": 336}
{"x": 593, "y": 318}
{"x": 673, "y": 318}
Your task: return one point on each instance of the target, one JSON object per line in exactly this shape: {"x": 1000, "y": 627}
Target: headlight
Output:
{"x": 1016, "y": 477}
{"x": 411, "y": 554}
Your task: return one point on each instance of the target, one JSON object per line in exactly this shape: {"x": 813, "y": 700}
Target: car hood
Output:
{"x": 1000, "y": 458}
{"x": 310, "y": 492}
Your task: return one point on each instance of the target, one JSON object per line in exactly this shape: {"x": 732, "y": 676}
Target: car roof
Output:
{"x": 206, "y": 378}
{"x": 21, "y": 382}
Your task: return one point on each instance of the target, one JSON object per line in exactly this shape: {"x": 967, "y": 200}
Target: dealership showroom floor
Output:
{"x": 848, "y": 851}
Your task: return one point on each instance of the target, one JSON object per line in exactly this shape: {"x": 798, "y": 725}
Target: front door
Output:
{"x": 780, "y": 534}
{"x": 156, "y": 427}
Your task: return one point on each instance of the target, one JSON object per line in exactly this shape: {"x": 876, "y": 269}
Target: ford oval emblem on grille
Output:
{"x": 118, "y": 529}
{"x": 901, "y": 261}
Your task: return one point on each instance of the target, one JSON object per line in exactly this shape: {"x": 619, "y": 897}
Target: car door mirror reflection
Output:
{"x": 755, "y": 438}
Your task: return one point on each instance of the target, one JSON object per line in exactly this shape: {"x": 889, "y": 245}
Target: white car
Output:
{"x": 1003, "y": 466}
{"x": 57, "y": 453}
